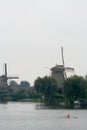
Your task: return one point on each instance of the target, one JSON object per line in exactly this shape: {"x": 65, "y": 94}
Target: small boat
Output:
{"x": 68, "y": 116}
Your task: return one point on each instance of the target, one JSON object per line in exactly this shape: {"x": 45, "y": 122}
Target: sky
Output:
{"x": 33, "y": 31}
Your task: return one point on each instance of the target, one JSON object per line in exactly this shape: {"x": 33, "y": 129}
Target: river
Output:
{"x": 28, "y": 116}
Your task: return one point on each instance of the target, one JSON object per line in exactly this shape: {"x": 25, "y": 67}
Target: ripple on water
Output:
{"x": 24, "y": 116}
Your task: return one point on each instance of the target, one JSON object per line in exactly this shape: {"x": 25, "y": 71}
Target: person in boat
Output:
{"x": 68, "y": 116}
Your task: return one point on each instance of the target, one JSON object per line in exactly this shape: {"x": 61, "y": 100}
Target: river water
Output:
{"x": 28, "y": 116}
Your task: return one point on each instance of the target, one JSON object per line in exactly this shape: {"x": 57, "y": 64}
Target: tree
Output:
{"x": 74, "y": 89}
{"x": 47, "y": 87}
{"x": 13, "y": 83}
{"x": 19, "y": 95}
{"x": 24, "y": 84}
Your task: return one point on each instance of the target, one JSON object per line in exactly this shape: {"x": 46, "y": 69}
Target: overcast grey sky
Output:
{"x": 32, "y": 32}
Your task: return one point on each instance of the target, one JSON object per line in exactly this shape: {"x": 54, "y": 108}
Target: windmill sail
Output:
{"x": 62, "y": 56}
{"x": 5, "y": 69}
{"x": 69, "y": 69}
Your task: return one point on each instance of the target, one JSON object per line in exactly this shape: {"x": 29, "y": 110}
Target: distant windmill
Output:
{"x": 59, "y": 73}
{"x": 4, "y": 80}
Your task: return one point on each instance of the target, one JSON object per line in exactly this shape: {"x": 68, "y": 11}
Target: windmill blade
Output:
{"x": 49, "y": 70}
{"x": 62, "y": 56}
{"x": 13, "y": 77}
{"x": 65, "y": 75}
{"x": 69, "y": 69}
{"x": 5, "y": 69}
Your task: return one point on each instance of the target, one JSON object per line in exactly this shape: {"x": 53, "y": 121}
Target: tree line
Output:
{"x": 46, "y": 90}
{"x": 75, "y": 89}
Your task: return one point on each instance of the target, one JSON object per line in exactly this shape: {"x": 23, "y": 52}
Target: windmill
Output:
{"x": 58, "y": 72}
{"x": 4, "y": 80}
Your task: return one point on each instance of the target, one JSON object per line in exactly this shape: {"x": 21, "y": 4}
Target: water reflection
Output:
{"x": 32, "y": 116}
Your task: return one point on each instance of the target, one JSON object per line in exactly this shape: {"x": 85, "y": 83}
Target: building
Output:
{"x": 59, "y": 76}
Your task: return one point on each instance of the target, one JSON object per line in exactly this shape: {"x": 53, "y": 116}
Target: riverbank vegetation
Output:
{"x": 46, "y": 91}
{"x": 73, "y": 93}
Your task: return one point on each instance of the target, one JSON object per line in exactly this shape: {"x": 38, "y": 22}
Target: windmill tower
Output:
{"x": 58, "y": 72}
{"x": 4, "y": 80}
